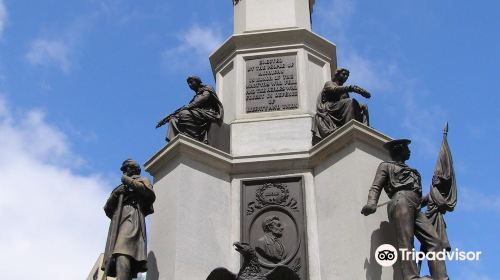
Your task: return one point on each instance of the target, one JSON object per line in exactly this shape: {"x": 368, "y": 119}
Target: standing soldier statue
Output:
{"x": 403, "y": 186}
{"x": 128, "y": 204}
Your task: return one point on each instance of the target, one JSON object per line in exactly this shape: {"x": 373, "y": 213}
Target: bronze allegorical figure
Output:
{"x": 335, "y": 107}
{"x": 194, "y": 119}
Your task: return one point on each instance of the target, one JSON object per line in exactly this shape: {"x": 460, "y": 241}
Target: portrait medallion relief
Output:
{"x": 269, "y": 245}
{"x": 273, "y": 222}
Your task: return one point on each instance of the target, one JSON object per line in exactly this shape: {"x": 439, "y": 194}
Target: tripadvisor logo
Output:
{"x": 387, "y": 255}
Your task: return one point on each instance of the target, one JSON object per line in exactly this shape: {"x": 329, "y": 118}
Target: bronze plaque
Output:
{"x": 273, "y": 222}
{"x": 271, "y": 84}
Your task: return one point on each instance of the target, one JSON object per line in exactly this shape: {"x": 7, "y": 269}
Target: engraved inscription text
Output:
{"x": 271, "y": 84}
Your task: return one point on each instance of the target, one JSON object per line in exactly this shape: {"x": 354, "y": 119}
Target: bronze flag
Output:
{"x": 443, "y": 192}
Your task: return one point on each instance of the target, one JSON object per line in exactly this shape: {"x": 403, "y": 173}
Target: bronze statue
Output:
{"x": 194, "y": 119}
{"x": 270, "y": 246}
{"x": 128, "y": 204}
{"x": 335, "y": 108}
{"x": 250, "y": 269}
{"x": 403, "y": 185}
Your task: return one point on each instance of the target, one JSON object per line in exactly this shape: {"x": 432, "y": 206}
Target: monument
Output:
{"x": 292, "y": 207}
{"x": 293, "y": 204}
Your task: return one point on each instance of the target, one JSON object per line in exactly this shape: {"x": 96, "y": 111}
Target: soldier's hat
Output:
{"x": 389, "y": 145}
{"x": 130, "y": 162}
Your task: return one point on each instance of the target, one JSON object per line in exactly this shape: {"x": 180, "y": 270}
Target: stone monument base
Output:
{"x": 201, "y": 208}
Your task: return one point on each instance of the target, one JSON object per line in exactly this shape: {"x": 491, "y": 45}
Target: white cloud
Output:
{"x": 473, "y": 271}
{"x": 384, "y": 77}
{"x": 59, "y": 48}
{"x": 3, "y": 17}
{"x": 53, "y": 223}
{"x": 195, "y": 45}
{"x": 203, "y": 40}
{"x": 336, "y": 14}
{"x": 334, "y": 19}
{"x": 373, "y": 75}
{"x": 473, "y": 200}
{"x": 422, "y": 122}
{"x": 46, "y": 52}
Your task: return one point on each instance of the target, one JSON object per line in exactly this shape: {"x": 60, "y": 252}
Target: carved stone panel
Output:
{"x": 273, "y": 222}
{"x": 271, "y": 84}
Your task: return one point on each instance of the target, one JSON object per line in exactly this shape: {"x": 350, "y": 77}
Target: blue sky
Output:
{"x": 82, "y": 84}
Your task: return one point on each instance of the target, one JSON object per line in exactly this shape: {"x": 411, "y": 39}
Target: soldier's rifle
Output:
{"x": 117, "y": 216}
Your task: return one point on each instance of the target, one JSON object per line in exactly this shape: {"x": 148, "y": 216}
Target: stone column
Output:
{"x": 258, "y": 15}
{"x": 269, "y": 74}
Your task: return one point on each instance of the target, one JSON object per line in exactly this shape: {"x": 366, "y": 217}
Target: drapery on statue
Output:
{"x": 250, "y": 269}
{"x": 128, "y": 204}
{"x": 403, "y": 186}
{"x": 335, "y": 108}
{"x": 194, "y": 119}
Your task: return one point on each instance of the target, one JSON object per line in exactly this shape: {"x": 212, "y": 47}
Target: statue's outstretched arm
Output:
{"x": 357, "y": 89}
{"x": 166, "y": 119}
{"x": 334, "y": 89}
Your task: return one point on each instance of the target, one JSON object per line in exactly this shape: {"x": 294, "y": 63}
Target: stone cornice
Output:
{"x": 272, "y": 40}
{"x": 184, "y": 146}
{"x": 351, "y": 132}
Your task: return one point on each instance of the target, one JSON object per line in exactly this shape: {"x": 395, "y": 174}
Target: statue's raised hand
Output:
{"x": 368, "y": 209}
{"x": 361, "y": 91}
